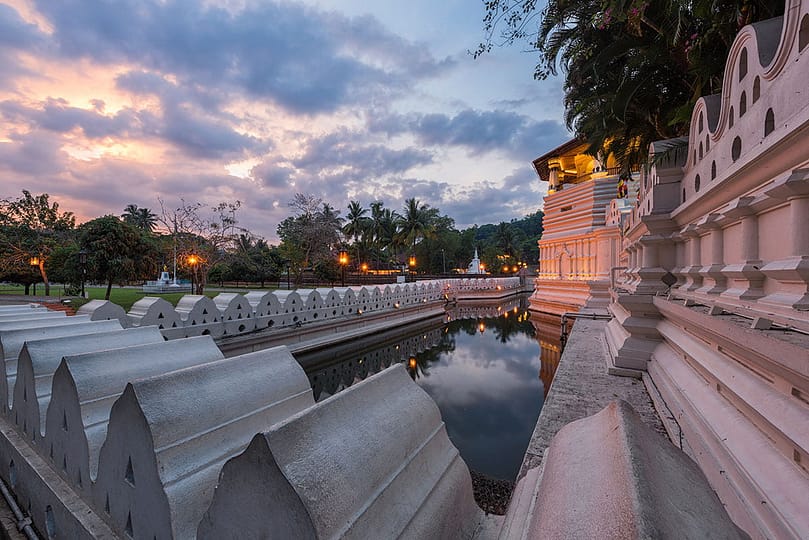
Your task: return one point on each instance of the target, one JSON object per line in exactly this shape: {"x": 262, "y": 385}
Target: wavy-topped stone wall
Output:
{"x": 230, "y": 314}
{"x": 714, "y": 304}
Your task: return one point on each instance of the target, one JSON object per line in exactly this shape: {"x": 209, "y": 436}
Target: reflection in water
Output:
{"x": 486, "y": 368}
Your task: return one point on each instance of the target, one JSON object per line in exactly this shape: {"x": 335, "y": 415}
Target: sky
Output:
{"x": 107, "y": 103}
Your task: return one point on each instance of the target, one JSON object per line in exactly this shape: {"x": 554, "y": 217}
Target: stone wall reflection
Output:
{"x": 417, "y": 346}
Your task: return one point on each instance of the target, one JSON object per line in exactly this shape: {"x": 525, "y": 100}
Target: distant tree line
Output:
{"x": 41, "y": 243}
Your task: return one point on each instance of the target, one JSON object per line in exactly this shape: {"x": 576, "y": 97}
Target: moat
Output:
{"x": 480, "y": 364}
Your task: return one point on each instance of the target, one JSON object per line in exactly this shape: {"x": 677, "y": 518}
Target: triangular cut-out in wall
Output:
{"x": 128, "y": 528}
{"x": 130, "y": 474}
{"x": 107, "y": 504}
{"x": 159, "y": 315}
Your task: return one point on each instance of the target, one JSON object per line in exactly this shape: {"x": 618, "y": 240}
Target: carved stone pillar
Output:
{"x": 744, "y": 278}
{"x": 792, "y": 272}
{"x": 679, "y": 259}
{"x": 694, "y": 279}
{"x": 713, "y": 280}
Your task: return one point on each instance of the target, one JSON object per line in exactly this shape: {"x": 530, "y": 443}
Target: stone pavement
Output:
{"x": 582, "y": 387}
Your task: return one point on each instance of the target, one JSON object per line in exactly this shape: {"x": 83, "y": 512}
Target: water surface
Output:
{"x": 480, "y": 364}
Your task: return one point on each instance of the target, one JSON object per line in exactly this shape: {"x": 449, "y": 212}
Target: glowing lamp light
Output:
{"x": 364, "y": 267}
{"x": 192, "y": 260}
{"x": 343, "y": 258}
{"x": 412, "y": 363}
{"x": 33, "y": 261}
{"x": 412, "y": 261}
{"x": 481, "y": 327}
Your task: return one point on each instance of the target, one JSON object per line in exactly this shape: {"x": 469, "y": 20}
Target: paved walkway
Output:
{"x": 581, "y": 387}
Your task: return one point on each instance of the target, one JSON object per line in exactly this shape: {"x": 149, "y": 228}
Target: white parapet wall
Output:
{"x": 38, "y": 361}
{"x": 333, "y": 473}
{"x": 104, "y": 310}
{"x": 12, "y": 341}
{"x": 231, "y": 314}
{"x": 170, "y": 435}
{"x": 85, "y": 387}
{"x": 237, "y": 313}
{"x": 30, "y": 314}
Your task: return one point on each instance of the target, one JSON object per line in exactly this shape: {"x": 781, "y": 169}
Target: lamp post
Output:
{"x": 343, "y": 260}
{"x": 288, "y": 265}
{"x": 83, "y": 263}
{"x": 364, "y": 268}
{"x": 443, "y": 261}
{"x": 192, "y": 261}
{"x": 34, "y": 261}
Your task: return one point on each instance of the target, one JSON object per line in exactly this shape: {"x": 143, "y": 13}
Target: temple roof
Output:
{"x": 573, "y": 146}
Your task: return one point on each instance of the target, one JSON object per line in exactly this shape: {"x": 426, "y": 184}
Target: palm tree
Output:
{"x": 417, "y": 222}
{"x": 357, "y": 224}
{"x": 506, "y": 240}
{"x": 142, "y": 218}
{"x": 633, "y": 70}
{"x": 388, "y": 231}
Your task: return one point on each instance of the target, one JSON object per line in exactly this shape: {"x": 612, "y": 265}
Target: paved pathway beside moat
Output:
{"x": 581, "y": 387}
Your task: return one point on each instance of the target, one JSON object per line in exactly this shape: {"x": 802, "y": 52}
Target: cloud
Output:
{"x": 345, "y": 150}
{"x": 15, "y": 33}
{"x": 477, "y": 131}
{"x": 307, "y": 61}
{"x": 32, "y": 154}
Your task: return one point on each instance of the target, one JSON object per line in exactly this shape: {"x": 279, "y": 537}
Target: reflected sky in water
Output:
{"x": 483, "y": 372}
{"x": 488, "y": 389}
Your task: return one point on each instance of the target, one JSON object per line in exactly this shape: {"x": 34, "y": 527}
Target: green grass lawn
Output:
{"x": 124, "y": 297}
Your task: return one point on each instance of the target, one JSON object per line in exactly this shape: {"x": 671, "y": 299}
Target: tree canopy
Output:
{"x": 633, "y": 69}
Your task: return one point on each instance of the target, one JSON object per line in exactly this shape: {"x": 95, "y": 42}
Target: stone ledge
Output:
{"x": 610, "y": 476}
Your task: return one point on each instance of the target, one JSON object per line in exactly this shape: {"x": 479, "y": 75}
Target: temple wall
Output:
{"x": 713, "y": 308}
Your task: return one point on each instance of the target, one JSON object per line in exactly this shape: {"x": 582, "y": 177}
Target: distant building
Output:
{"x": 580, "y": 242}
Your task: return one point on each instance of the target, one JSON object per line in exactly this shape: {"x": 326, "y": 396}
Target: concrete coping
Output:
{"x": 36, "y": 321}
{"x": 12, "y": 341}
{"x": 104, "y": 310}
{"x": 611, "y": 476}
{"x": 151, "y": 310}
{"x": 328, "y": 472}
{"x": 264, "y": 304}
{"x": 233, "y": 306}
{"x": 39, "y": 359}
{"x": 169, "y": 436}
{"x": 30, "y": 314}
{"x": 85, "y": 387}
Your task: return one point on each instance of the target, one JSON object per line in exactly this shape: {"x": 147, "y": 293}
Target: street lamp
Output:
{"x": 364, "y": 268}
{"x": 343, "y": 260}
{"x": 192, "y": 261}
{"x": 83, "y": 263}
{"x": 34, "y": 261}
{"x": 288, "y": 265}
